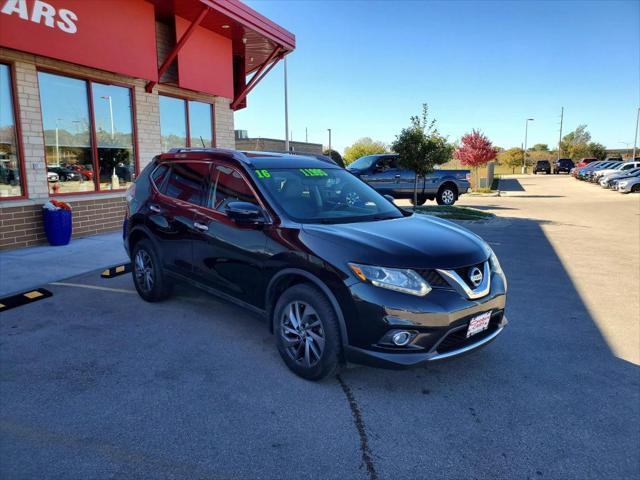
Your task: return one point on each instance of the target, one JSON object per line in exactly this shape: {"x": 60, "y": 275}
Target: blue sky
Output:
{"x": 363, "y": 68}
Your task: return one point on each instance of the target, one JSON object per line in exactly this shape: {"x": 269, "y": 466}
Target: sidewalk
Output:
{"x": 35, "y": 266}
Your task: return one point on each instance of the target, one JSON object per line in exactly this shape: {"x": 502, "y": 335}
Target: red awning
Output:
{"x": 257, "y": 42}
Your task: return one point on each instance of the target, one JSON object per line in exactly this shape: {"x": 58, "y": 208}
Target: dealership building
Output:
{"x": 92, "y": 90}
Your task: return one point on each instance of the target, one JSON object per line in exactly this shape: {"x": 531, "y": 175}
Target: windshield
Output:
{"x": 324, "y": 195}
{"x": 362, "y": 163}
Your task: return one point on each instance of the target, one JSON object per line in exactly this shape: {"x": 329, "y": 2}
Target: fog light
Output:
{"x": 401, "y": 338}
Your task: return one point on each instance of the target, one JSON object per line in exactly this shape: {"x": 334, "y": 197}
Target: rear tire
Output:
{"x": 149, "y": 278}
{"x": 307, "y": 333}
{"x": 447, "y": 195}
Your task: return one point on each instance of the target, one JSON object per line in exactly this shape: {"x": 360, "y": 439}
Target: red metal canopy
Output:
{"x": 257, "y": 42}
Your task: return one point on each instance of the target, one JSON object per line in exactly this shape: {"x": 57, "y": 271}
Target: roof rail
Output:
{"x": 235, "y": 154}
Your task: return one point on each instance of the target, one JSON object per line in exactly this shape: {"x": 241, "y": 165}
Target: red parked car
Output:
{"x": 585, "y": 161}
{"x": 84, "y": 171}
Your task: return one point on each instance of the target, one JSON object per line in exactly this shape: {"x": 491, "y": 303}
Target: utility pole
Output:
{"x": 635, "y": 138}
{"x": 329, "y": 130}
{"x": 286, "y": 109}
{"x": 524, "y": 156}
{"x": 306, "y": 135}
{"x": 560, "y": 137}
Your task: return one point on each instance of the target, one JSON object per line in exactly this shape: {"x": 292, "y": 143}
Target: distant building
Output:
{"x": 621, "y": 152}
{"x": 258, "y": 144}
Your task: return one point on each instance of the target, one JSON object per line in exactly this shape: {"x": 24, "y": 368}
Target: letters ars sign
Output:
{"x": 42, "y": 13}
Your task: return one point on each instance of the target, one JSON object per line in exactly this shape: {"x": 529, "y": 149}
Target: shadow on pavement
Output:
{"x": 510, "y": 185}
{"x": 194, "y": 388}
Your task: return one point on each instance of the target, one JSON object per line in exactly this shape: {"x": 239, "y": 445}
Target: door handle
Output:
{"x": 397, "y": 176}
{"x": 154, "y": 208}
{"x": 200, "y": 226}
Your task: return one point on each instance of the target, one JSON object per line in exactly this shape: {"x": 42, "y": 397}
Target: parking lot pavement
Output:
{"x": 95, "y": 383}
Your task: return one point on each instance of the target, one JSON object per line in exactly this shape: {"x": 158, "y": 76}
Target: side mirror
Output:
{"x": 244, "y": 212}
{"x": 389, "y": 198}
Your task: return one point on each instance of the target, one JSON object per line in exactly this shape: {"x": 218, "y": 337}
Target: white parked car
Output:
{"x": 624, "y": 169}
{"x": 52, "y": 177}
{"x": 629, "y": 185}
{"x": 600, "y": 174}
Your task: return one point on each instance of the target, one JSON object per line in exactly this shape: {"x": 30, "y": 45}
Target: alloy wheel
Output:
{"x": 144, "y": 271}
{"x": 448, "y": 197}
{"x": 302, "y": 333}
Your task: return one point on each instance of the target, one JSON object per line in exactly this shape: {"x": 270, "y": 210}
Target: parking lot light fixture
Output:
{"x": 524, "y": 153}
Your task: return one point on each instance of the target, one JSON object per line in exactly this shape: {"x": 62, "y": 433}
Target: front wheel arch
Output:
{"x": 288, "y": 277}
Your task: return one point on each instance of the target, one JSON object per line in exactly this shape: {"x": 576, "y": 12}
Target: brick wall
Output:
{"x": 21, "y": 226}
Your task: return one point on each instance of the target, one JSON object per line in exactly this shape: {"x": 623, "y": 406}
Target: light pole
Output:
{"x": 560, "y": 137}
{"x": 108, "y": 98}
{"x": 329, "y": 130}
{"x": 57, "y": 143}
{"x": 524, "y": 155}
{"x": 635, "y": 138}
{"x": 286, "y": 109}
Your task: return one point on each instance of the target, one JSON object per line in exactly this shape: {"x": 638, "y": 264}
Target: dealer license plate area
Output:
{"x": 479, "y": 324}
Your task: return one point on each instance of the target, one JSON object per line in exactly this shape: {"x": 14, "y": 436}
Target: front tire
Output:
{"x": 307, "y": 333}
{"x": 446, "y": 195}
{"x": 149, "y": 278}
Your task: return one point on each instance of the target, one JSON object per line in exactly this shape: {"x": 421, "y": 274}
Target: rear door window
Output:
{"x": 186, "y": 181}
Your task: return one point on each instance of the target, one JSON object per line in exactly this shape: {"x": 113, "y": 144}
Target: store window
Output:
{"x": 114, "y": 134}
{"x": 10, "y": 178}
{"x": 77, "y": 163}
{"x": 185, "y": 123}
{"x": 200, "y": 131}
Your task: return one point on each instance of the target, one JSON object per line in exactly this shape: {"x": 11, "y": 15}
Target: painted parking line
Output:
{"x": 93, "y": 287}
{"x": 116, "y": 271}
{"x": 24, "y": 298}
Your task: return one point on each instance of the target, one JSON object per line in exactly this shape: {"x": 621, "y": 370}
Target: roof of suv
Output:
{"x": 252, "y": 159}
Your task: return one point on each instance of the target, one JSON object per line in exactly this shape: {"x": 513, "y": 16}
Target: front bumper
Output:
{"x": 625, "y": 188}
{"x": 438, "y": 323}
{"x": 411, "y": 359}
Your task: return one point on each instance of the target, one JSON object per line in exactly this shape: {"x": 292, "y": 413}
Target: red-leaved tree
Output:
{"x": 475, "y": 150}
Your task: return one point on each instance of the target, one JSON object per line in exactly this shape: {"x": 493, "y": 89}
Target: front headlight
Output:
{"x": 399, "y": 280}
{"x": 496, "y": 267}
{"x": 623, "y": 184}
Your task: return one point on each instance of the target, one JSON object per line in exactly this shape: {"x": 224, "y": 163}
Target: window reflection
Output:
{"x": 173, "y": 123}
{"x": 114, "y": 135}
{"x": 200, "y": 131}
{"x": 10, "y": 182}
{"x": 67, "y": 138}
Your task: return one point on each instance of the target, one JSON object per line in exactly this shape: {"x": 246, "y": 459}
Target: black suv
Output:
{"x": 339, "y": 273}
{"x": 542, "y": 166}
{"x": 563, "y": 165}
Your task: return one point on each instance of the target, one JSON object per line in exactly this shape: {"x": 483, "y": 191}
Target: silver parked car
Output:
{"x": 630, "y": 184}
{"x": 611, "y": 180}
{"x": 623, "y": 167}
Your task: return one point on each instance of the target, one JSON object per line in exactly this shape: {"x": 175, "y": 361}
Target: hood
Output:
{"x": 418, "y": 241}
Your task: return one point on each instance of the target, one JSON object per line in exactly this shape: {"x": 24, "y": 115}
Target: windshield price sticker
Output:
{"x": 263, "y": 173}
{"x": 313, "y": 172}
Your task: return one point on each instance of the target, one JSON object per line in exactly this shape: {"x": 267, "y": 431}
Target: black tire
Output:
{"x": 635, "y": 188}
{"x": 152, "y": 285}
{"x": 447, "y": 195}
{"x": 290, "y": 338}
{"x": 421, "y": 200}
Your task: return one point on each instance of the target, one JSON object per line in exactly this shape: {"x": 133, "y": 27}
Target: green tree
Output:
{"x": 597, "y": 150}
{"x": 335, "y": 156}
{"x": 363, "y": 147}
{"x": 512, "y": 157}
{"x": 421, "y": 147}
{"x": 576, "y": 144}
{"x": 540, "y": 147}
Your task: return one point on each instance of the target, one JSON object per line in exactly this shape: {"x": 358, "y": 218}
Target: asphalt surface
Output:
{"x": 95, "y": 383}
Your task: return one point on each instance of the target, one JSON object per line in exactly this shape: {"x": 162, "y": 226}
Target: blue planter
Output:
{"x": 57, "y": 226}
